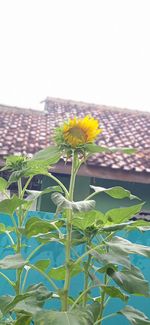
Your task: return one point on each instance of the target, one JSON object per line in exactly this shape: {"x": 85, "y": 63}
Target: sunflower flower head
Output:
{"x": 79, "y": 131}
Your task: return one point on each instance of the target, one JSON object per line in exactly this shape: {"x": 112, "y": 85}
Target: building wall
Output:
{"x": 103, "y": 201}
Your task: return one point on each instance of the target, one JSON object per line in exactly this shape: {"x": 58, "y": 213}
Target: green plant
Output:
{"x": 105, "y": 264}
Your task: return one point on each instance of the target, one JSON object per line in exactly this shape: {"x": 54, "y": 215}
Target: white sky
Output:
{"x": 90, "y": 50}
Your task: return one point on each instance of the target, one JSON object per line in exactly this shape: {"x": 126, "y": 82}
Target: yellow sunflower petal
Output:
{"x": 80, "y": 131}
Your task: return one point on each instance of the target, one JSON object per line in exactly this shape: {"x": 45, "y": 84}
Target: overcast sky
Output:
{"x": 91, "y": 50}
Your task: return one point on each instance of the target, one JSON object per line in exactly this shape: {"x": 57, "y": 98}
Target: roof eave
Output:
{"x": 101, "y": 172}
{"x": 105, "y": 173}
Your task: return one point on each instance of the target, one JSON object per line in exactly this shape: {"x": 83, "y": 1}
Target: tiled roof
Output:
{"x": 27, "y": 131}
{"x": 121, "y": 128}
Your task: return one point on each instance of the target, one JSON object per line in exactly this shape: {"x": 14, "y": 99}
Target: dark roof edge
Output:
{"x": 105, "y": 173}
{"x": 101, "y": 172}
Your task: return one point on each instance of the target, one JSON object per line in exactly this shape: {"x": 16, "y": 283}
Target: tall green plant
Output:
{"x": 105, "y": 264}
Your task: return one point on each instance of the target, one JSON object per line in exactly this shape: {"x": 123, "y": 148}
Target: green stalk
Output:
{"x": 20, "y": 196}
{"x": 81, "y": 296}
{"x": 103, "y": 296}
{"x": 86, "y": 277}
{"x": 91, "y": 196}
{"x": 18, "y": 250}
{"x": 59, "y": 183}
{"x": 69, "y": 236}
{"x": 19, "y": 188}
{"x": 10, "y": 238}
{"x": 33, "y": 252}
{"x": 25, "y": 279}
{"x": 108, "y": 316}
{"x": 87, "y": 253}
{"x": 7, "y": 279}
{"x": 18, "y": 281}
{"x": 102, "y": 306}
{"x": 45, "y": 276}
{"x": 7, "y": 196}
{"x": 25, "y": 187}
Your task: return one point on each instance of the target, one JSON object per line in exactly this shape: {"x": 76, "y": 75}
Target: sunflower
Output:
{"x": 80, "y": 131}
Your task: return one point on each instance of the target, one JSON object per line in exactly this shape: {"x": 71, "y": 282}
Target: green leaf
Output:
{"x": 120, "y": 245}
{"x": 58, "y": 273}
{"x": 130, "y": 280}
{"x": 63, "y": 203}
{"x": 3, "y": 184}
{"x": 33, "y": 195}
{"x": 114, "y": 292}
{"x": 75, "y": 317}
{"x": 122, "y": 214}
{"x": 15, "y": 163}
{"x": 95, "y": 309}
{"x": 117, "y": 192}
{"x": 42, "y": 264}
{"x": 141, "y": 225}
{"x": 13, "y": 302}
{"x": 49, "y": 237}
{"x": 23, "y": 320}
{"x": 36, "y": 226}
{"x": 135, "y": 316}
{"x": 112, "y": 258}
{"x": 116, "y": 227}
{"x": 28, "y": 303}
{"x": 2, "y": 228}
{"x": 15, "y": 176}
{"x": 94, "y": 148}
{"x": 50, "y": 154}
{"x": 87, "y": 219}
{"x": 39, "y": 294}
{"x": 4, "y": 301}
{"x": 35, "y": 167}
{"x": 78, "y": 238}
{"x": 126, "y": 150}
{"x": 12, "y": 262}
{"x": 9, "y": 206}
{"x": 7, "y": 321}
{"x": 30, "y": 168}
{"x": 144, "y": 228}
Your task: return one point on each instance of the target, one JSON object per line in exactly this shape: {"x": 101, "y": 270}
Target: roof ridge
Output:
{"x": 83, "y": 104}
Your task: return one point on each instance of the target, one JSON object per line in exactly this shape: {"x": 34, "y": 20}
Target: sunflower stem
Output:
{"x": 69, "y": 236}
{"x": 102, "y": 306}
{"x": 86, "y": 276}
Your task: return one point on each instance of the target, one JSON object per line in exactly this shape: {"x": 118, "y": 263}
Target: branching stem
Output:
{"x": 45, "y": 276}
{"x": 59, "y": 183}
